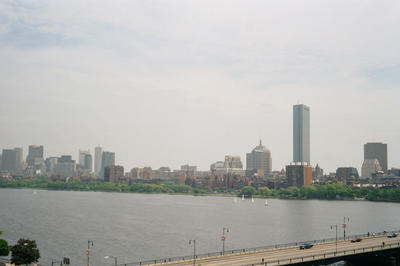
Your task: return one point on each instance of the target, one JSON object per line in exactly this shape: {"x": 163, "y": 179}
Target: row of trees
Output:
{"x": 24, "y": 252}
{"x": 161, "y": 187}
{"x": 326, "y": 192}
{"x": 329, "y": 192}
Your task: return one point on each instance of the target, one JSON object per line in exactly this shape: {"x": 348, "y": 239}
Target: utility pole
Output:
{"x": 223, "y": 238}
{"x": 344, "y": 226}
{"x": 88, "y": 251}
{"x": 194, "y": 250}
{"x": 336, "y": 235}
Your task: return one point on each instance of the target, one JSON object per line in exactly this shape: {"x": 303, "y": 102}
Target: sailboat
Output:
{"x": 243, "y": 197}
{"x": 252, "y": 200}
{"x": 266, "y": 202}
{"x": 235, "y": 200}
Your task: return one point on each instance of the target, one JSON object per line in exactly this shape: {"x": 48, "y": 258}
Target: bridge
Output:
{"x": 323, "y": 252}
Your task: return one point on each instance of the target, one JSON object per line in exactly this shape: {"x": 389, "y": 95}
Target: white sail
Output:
{"x": 243, "y": 197}
{"x": 266, "y": 202}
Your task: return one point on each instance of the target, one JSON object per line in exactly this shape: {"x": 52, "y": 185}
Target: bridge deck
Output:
{"x": 290, "y": 255}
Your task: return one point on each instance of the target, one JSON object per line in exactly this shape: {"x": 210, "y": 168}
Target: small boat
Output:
{"x": 235, "y": 200}
{"x": 252, "y": 200}
{"x": 243, "y": 197}
{"x": 266, "y": 202}
{"x": 34, "y": 192}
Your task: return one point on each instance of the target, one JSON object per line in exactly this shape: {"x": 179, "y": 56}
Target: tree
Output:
{"x": 247, "y": 191}
{"x": 24, "y": 252}
{"x": 4, "y": 248}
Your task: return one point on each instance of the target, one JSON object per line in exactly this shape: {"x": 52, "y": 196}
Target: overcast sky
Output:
{"x": 165, "y": 83}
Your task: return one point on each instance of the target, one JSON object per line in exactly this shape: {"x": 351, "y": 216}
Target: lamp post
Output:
{"x": 223, "y": 238}
{"x": 112, "y": 257}
{"x": 344, "y": 226}
{"x": 88, "y": 251}
{"x": 194, "y": 250}
{"x": 336, "y": 234}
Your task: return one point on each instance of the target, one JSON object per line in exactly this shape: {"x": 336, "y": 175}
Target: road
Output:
{"x": 284, "y": 255}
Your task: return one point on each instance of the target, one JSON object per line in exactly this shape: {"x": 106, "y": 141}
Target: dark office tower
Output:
{"x": 377, "y": 150}
{"x": 88, "y": 162}
{"x": 11, "y": 160}
{"x": 35, "y": 153}
{"x": 107, "y": 159}
{"x": 301, "y": 134}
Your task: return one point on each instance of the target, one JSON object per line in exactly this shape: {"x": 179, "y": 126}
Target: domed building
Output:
{"x": 259, "y": 159}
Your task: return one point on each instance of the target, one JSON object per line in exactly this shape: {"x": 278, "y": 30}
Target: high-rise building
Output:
{"x": 301, "y": 133}
{"x": 88, "y": 162}
{"x": 82, "y": 154}
{"x": 35, "y": 154}
{"x": 370, "y": 167}
{"x": 298, "y": 175}
{"x": 377, "y": 150}
{"x": 113, "y": 173}
{"x": 233, "y": 161}
{"x": 98, "y": 153}
{"x": 107, "y": 159}
{"x": 51, "y": 163}
{"x": 346, "y": 174}
{"x": 259, "y": 159}
{"x": 11, "y": 160}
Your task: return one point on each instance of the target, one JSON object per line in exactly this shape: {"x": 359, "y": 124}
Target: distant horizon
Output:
{"x": 186, "y": 82}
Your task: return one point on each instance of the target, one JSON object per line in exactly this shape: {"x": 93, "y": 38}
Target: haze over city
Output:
{"x": 188, "y": 82}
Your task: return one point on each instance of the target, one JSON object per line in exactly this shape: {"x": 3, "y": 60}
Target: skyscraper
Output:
{"x": 98, "y": 151}
{"x": 107, "y": 159}
{"x": 82, "y": 154}
{"x": 301, "y": 133}
{"x": 88, "y": 165}
{"x": 35, "y": 153}
{"x": 259, "y": 159}
{"x": 12, "y": 160}
{"x": 377, "y": 150}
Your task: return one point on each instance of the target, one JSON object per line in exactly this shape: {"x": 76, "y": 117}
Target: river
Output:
{"x": 134, "y": 227}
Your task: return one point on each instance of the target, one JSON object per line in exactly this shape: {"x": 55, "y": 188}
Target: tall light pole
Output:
{"x": 89, "y": 242}
{"x": 194, "y": 250}
{"x": 112, "y": 257}
{"x": 344, "y": 226}
{"x": 336, "y": 234}
{"x": 223, "y": 238}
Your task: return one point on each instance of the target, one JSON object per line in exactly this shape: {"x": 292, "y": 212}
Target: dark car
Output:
{"x": 354, "y": 240}
{"x": 306, "y": 246}
{"x": 392, "y": 235}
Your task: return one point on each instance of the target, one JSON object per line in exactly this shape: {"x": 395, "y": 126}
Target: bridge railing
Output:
{"x": 247, "y": 250}
{"x": 326, "y": 255}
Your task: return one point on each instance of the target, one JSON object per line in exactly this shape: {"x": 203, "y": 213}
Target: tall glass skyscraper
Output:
{"x": 301, "y": 133}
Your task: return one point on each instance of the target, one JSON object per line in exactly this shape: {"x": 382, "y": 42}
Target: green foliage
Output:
{"x": 264, "y": 192}
{"x": 24, "y": 252}
{"x": 4, "y": 248}
{"x": 247, "y": 191}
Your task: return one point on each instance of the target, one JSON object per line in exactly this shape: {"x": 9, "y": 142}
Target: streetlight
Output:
{"x": 223, "y": 238}
{"x": 89, "y": 242}
{"x": 112, "y": 257}
{"x": 194, "y": 250}
{"x": 336, "y": 234}
{"x": 344, "y": 226}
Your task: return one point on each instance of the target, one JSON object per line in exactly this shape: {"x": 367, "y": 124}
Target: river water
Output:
{"x": 134, "y": 227}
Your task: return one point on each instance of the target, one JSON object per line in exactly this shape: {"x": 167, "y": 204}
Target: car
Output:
{"x": 354, "y": 240}
{"x": 306, "y": 246}
{"x": 392, "y": 235}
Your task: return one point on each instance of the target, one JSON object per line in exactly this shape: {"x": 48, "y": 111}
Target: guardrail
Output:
{"x": 325, "y": 255}
{"x": 245, "y": 250}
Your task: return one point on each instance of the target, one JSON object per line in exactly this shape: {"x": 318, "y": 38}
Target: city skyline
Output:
{"x": 173, "y": 83}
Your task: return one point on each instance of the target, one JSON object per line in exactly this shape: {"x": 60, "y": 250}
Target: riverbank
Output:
{"x": 323, "y": 192}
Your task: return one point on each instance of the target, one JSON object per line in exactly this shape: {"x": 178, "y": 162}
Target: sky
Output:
{"x": 167, "y": 83}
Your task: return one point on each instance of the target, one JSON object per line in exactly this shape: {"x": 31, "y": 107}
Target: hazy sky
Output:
{"x": 165, "y": 83}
